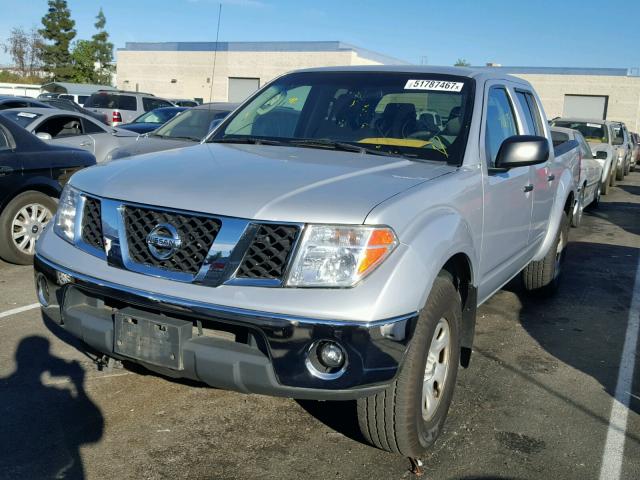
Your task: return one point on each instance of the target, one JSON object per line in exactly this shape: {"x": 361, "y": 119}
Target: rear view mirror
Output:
{"x": 44, "y": 136}
{"x": 522, "y": 150}
{"x": 601, "y": 155}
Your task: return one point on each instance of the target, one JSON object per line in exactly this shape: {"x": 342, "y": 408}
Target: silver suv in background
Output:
{"x": 622, "y": 140}
{"x": 601, "y": 136}
{"x": 123, "y": 107}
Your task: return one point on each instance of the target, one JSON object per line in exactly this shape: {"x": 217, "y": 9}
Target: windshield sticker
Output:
{"x": 27, "y": 114}
{"x": 594, "y": 125}
{"x": 434, "y": 85}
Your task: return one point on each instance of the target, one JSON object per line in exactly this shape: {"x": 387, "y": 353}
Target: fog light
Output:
{"x": 330, "y": 355}
{"x": 326, "y": 359}
{"x": 42, "y": 290}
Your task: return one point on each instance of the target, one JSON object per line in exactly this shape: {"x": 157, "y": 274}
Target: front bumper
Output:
{"x": 232, "y": 348}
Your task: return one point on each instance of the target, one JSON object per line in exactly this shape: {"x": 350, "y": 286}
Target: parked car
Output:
{"x": 600, "y": 135}
{"x": 590, "y": 183}
{"x": 9, "y": 101}
{"x": 635, "y": 155}
{"x": 183, "y": 102}
{"x": 71, "y": 129}
{"x": 319, "y": 244}
{"x": 73, "y": 97}
{"x": 625, "y": 148}
{"x": 32, "y": 174}
{"x": 183, "y": 130}
{"x": 147, "y": 122}
{"x": 122, "y": 106}
{"x": 71, "y": 106}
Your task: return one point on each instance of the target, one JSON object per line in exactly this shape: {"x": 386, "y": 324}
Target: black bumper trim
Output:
{"x": 375, "y": 349}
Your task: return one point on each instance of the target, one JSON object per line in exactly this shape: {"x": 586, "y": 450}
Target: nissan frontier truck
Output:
{"x": 326, "y": 241}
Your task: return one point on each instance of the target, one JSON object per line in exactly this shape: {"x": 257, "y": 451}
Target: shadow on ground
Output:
{"x": 44, "y": 424}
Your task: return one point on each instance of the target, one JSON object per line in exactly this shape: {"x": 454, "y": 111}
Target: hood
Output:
{"x": 145, "y": 144}
{"x": 260, "y": 182}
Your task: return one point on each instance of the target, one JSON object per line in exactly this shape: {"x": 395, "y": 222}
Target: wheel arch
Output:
{"x": 50, "y": 188}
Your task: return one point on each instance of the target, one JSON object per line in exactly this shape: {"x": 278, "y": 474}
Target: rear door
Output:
{"x": 507, "y": 195}
{"x": 67, "y": 130}
{"x": 543, "y": 178}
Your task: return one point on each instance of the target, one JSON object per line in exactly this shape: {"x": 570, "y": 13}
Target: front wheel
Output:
{"x": 21, "y": 223}
{"x": 620, "y": 172}
{"x": 408, "y": 416}
{"x": 543, "y": 276}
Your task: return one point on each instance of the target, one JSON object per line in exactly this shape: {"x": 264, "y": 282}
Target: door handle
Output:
{"x": 4, "y": 170}
{"x": 551, "y": 178}
{"x": 528, "y": 188}
{"x": 85, "y": 144}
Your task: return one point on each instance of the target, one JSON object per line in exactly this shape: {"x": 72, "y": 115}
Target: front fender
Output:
{"x": 435, "y": 237}
{"x": 566, "y": 189}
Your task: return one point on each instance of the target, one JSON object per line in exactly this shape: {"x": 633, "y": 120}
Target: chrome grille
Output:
{"x": 197, "y": 234}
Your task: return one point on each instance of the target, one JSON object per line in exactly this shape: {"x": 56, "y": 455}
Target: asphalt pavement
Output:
{"x": 550, "y": 392}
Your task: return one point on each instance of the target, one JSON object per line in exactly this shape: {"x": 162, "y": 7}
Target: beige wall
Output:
{"x": 623, "y": 93}
{"x": 153, "y": 71}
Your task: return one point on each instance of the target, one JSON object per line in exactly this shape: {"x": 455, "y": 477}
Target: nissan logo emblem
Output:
{"x": 163, "y": 241}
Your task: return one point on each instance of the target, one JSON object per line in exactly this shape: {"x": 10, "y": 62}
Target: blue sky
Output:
{"x": 581, "y": 33}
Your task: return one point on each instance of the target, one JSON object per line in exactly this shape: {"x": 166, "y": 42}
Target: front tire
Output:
{"x": 543, "y": 276}
{"x": 408, "y": 416}
{"x": 620, "y": 172}
{"x": 21, "y": 223}
{"x": 595, "y": 203}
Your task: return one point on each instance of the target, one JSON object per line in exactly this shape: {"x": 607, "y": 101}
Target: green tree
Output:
{"x": 462, "y": 63}
{"x": 103, "y": 51}
{"x": 84, "y": 62}
{"x": 59, "y": 32}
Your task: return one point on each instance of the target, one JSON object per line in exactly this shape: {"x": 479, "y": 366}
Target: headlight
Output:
{"x": 65, "y": 222}
{"x": 339, "y": 256}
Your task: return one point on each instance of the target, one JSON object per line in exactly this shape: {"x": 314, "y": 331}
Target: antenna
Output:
{"x": 215, "y": 55}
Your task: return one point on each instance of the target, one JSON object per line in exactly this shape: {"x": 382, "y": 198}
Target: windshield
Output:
{"x": 193, "y": 124}
{"x": 423, "y": 116}
{"x": 592, "y": 132}
{"x": 159, "y": 115}
{"x": 21, "y": 118}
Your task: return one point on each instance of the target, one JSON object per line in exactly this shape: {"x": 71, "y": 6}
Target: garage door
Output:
{"x": 585, "y": 106}
{"x": 241, "y": 88}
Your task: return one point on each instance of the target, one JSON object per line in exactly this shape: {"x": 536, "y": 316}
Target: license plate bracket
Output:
{"x": 150, "y": 338}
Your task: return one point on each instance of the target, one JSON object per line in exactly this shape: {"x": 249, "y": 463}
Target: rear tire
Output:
{"x": 408, "y": 416}
{"x": 21, "y": 222}
{"x": 543, "y": 276}
{"x": 576, "y": 218}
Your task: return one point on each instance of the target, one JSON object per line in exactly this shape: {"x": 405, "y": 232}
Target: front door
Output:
{"x": 66, "y": 130}
{"x": 507, "y": 197}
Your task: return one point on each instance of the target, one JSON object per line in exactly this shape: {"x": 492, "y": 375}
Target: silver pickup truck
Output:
{"x": 327, "y": 241}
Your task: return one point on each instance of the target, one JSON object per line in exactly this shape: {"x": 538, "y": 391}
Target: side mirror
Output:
{"x": 522, "y": 150}
{"x": 44, "y": 136}
{"x": 601, "y": 155}
{"x": 618, "y": 141}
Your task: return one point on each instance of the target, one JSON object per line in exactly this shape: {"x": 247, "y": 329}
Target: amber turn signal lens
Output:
{"x": 381, "y": 242}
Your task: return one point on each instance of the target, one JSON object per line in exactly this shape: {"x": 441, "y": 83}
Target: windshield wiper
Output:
{"x": 343, "y": 146}
{"x": 248, "y": 140}
{"x": 184, "y": 137}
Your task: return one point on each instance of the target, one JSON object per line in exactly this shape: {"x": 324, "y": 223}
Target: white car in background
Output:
{"x": 71, "y": 129}
{"x": 590, "y": 186}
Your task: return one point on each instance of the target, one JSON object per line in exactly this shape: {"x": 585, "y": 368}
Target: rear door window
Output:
{"x": 4, "y": 141}
{"x": 112, "y": 101}
{"x": 531, "y": 113}
{"x": 91, "y": 127}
